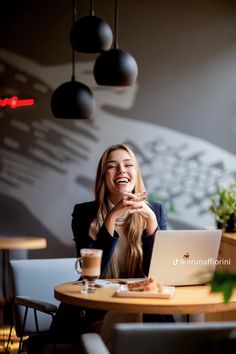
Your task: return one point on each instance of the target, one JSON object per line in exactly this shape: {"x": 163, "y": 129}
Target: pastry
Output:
{"x": 145, "y": 284}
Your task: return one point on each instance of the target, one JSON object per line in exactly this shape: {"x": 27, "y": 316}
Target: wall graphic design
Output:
{"x": 48, "y": 165}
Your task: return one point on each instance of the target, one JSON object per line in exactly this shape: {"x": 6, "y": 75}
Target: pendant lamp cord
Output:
{"x": 116, "y": 25}
{"x": 73, "y": 52}
{"x": 91, "y": 12}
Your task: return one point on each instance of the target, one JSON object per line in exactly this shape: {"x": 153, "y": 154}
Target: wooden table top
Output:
{"x": 187, "y": 300}
{"x": 229, "y": 238}
{"x": 22, "y": 242}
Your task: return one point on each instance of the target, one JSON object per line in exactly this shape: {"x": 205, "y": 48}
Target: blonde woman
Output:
{"x": 120, "y": 221}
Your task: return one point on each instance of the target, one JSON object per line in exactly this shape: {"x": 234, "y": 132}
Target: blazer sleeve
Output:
{"x": 148, "y": 240}
{"x": 161, "y": 215}
{"x": 82, "y": 216}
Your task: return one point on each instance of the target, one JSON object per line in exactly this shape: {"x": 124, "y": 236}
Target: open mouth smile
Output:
{"x": 122, "y": 180}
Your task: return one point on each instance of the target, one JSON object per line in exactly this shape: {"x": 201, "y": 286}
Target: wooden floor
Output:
{"x": 13, "y": 346}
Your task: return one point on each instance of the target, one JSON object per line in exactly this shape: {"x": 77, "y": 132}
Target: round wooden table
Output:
{"x": 8, "y": 243}
{"x": 187, "y": 300}
{"x": 22, "y": 242}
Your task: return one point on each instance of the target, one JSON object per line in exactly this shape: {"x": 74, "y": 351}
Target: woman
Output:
{"x": 119, "y": 221}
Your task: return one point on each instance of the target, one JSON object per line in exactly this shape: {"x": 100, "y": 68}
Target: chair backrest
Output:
{"x": 169, "y": 338}
{"x": 37, "y": 278}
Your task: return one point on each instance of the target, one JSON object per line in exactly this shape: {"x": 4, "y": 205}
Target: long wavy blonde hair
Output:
{"x": 134, "y": 225}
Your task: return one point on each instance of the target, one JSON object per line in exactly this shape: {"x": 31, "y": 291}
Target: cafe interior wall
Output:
{"x": 179, "y": 117}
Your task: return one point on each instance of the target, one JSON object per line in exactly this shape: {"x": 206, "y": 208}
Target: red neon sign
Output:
{"x": 14, "y": 102}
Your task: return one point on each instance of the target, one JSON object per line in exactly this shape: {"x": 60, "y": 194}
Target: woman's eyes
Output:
{"x": 117, "y": 166}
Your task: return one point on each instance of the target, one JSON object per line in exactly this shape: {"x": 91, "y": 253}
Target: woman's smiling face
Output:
{"x": 120, "y": 174}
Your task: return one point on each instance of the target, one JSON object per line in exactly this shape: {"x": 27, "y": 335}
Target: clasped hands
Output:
{"x": 136, "y": 203}
{"x": 133, "y": 203}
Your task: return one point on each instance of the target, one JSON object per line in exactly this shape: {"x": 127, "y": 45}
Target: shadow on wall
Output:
{"x": 23, "y": 223}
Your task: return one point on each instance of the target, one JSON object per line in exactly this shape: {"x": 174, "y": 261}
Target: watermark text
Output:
{"x": 207, "y": 261}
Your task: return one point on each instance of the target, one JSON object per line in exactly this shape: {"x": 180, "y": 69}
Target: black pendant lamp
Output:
{"x": 115, "y": 67}
{"x": 91, "y": 34}
{"x": 73, "y": 99}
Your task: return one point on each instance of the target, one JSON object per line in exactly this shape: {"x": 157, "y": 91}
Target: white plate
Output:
{"x": 167, "y": 293}
{"x": 103, "y": 283}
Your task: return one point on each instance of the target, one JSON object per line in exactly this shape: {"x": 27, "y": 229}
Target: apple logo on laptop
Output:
{"x": 186, "y": 255}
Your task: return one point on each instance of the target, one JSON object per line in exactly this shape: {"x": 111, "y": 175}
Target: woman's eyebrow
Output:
{"x": 114, "y": 161}
{"x": 111, "y": 161}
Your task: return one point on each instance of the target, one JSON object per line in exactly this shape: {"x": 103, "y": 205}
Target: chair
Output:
{"x": 165, "y": 338}
{"x": 33, "y": 282}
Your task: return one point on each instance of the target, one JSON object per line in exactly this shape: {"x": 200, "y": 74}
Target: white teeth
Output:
{"x": 121, "y": 180}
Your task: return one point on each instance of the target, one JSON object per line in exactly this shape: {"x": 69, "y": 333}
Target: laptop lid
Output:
{"x": 184, "y": 257}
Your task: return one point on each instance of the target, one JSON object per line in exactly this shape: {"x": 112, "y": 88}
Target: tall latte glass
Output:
{"x": 91, "y": 268}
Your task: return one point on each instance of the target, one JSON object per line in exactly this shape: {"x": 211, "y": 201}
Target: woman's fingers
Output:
{"x": 134, "y": 209}
{"x": 134, "y": 196}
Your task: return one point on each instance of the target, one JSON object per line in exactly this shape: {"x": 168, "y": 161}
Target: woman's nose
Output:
{"x": 120, "y": 169}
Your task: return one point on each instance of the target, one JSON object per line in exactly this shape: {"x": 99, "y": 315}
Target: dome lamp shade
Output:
{"x": 72, "y": 100}
{"x": 90, "y": 34}
{"x": 115, "y": 68}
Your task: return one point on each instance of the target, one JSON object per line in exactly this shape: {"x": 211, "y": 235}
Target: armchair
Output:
{"x": 33, "y": 282}
{"x": 165, "y": 338}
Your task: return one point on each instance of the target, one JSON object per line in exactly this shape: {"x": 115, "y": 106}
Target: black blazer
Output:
{"x": 82, "y": 216}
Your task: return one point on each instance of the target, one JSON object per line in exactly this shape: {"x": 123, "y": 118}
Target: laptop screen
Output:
{"x": 184, "y": 257}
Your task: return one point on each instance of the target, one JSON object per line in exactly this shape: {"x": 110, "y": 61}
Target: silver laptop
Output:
{"x": 184, "y": 257}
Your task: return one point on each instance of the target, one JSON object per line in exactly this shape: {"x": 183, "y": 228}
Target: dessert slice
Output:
{"x": 145, "y": 284}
